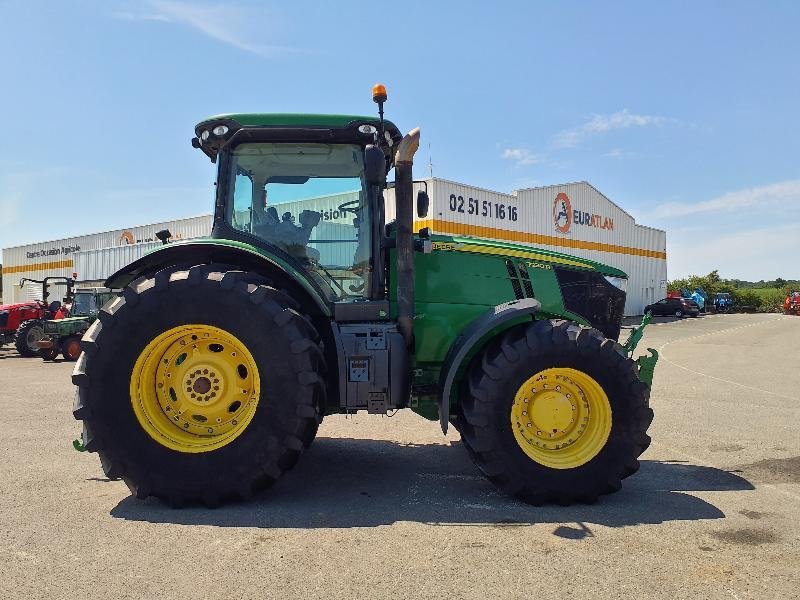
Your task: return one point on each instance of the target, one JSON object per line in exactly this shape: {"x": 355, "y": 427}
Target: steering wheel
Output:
{"x": 350, "y": 206}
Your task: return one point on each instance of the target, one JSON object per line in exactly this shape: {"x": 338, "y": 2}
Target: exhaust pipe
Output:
{"x": 404, "y": 192}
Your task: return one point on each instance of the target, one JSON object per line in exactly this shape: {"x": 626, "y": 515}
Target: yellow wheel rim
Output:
{"x": 561, "y": 418}
{"x": 195, "y": 388}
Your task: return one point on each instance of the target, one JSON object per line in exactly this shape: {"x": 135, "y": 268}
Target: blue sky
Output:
{"x": 685, "y": 114}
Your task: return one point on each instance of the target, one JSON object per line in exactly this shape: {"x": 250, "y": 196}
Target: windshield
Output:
{"x": 308, "y": 200}
{"x": 83, "y": 305}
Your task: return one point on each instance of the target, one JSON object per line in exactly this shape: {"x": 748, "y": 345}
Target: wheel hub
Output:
{"x": 561, "y": 418}
{"x": 195, "y": 388}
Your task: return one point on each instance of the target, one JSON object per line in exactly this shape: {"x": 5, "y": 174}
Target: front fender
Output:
{"x": 228, "y": 252}
{"x": 471, "y": 339}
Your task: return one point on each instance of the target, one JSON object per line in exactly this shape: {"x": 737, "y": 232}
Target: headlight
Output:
{"x": 621, "y": 283}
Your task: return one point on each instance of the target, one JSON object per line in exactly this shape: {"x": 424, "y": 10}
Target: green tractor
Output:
{"x": 64, "y": 335}
{"x": 208, "y": 376}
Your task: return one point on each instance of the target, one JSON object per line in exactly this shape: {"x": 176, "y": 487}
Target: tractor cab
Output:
{"x": 304, "y": 187}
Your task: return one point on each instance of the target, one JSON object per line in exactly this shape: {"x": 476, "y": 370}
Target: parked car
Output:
{"x": 723, "y": 302}
{"x": 674, "y": 307}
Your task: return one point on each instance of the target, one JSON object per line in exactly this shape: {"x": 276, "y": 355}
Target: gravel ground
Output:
{"x": 384, "y": 507}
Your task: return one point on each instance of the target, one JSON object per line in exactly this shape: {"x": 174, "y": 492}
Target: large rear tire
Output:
{"x": 199, "y": 385}
{"x": 554, "y": 412}
{"x": 28, "y": 333}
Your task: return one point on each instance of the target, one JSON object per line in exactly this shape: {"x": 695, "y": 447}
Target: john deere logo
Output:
{"x": 562, "y": 213}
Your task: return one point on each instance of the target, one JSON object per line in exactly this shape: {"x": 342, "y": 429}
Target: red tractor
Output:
{"x": 21, "y": 323}
{"x": 791, "y": 305}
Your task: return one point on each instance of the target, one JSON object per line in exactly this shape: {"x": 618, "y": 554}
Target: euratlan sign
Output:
{"x": 564, "y": 216}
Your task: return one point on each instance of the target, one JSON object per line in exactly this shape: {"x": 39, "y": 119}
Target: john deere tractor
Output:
{"x": 208, "y": 376}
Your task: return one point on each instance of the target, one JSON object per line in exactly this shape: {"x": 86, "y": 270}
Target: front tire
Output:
{"x": 199, "y": 385}
{"x": 28, "y": 333}
{"x": 525, "y": 429}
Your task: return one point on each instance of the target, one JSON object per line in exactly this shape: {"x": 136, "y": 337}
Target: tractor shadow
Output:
{"x": 366, "y": 483}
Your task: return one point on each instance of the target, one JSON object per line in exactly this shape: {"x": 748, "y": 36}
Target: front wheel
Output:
{"x": 553, "y": 412}
{"x": 28, "y": 333}
{"x": 210, "y": 399}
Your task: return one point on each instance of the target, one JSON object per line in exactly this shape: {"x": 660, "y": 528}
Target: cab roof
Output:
{"x": 294, "y": 120}
{"x": 294, "y": 126}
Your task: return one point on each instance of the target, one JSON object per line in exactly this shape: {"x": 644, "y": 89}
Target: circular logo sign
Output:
{"x": 562, "y": 213}
{"x": 126, "y": 238}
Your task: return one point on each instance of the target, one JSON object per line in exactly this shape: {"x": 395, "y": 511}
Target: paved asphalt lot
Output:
{"x": 387, "y": 507}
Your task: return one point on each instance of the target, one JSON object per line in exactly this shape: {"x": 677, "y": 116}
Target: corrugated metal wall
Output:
{"x": 57, "y": 258}
{"x": 98, "y": 265}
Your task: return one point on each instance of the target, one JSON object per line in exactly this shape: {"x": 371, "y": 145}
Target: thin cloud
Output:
{"x": 522, "y": 157}
{"x": 784, "y": 193}
{"x": 619, "y": 153}
{"x": 235, "y": 26}
{"x": 600, "y": 124}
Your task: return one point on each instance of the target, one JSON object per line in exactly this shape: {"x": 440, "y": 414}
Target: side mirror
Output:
{"x": 374, "y": 165}
{"x": 423, "y": 202}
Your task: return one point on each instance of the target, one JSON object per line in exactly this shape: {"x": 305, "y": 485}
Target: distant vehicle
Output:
{"x": 723, "y": 302}
{"x": 21, "y": 323}
{"x": 64, "y": 335}
{"x": 675, "y": 307}
{"x": 791, "y": 305}
{"x": 699, "y": 296}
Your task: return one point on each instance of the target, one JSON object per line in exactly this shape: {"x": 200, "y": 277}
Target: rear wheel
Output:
{"x": 207, "y": 401}
{"x": 71, "y": 348}
{"x": 553, "y": 412}
{"x": 28, "y": 334}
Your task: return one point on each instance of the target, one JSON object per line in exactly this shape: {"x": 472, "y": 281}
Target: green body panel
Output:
{"x": 65, "y": 327}
{"x": 292, "y": 120}
{"x": 454, "y": 286}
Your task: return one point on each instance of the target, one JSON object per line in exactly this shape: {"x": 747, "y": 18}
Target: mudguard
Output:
{"x": 229, "y": 252}
{"x": 465, "y": 344}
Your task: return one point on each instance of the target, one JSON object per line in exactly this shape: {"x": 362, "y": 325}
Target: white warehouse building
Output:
{"x": 573, "y": 218}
